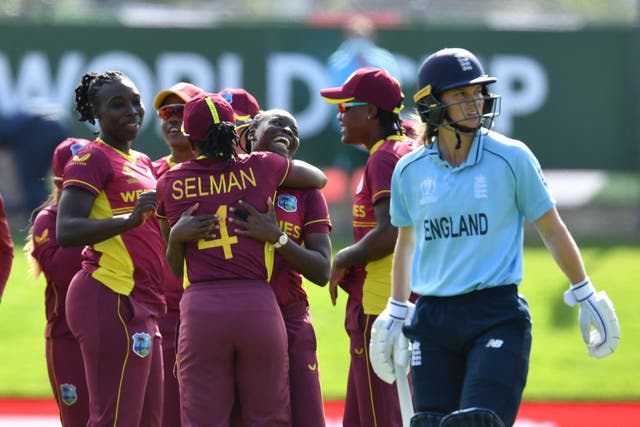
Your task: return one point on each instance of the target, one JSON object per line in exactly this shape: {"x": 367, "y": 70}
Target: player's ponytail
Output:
{"x": 220, "y": 142}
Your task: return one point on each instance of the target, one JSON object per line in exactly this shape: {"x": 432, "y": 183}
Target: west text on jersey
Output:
{"x": 448, "y": 227}
{"x": 199, "y": 186}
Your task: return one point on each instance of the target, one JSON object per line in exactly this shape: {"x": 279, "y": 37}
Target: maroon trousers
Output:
{"x": 68, "y": 382}
{"x": 307, "y": 409}
{"x": 232, "y": 343}
{"x": 168, "y": 325}
{"x": 369, "y": 400}
{"x": 122, "y": 354}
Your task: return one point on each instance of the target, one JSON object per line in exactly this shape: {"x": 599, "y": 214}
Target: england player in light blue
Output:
{"x": 460, "y": 203}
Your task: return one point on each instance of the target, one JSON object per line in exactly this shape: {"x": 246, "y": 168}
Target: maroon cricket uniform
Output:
{"x": 162, "y": 165}
{"x": 232, "y": 339}
{"x": 300, "y": 212}
{"x": 114, "y": 301}
{"x": 369, "y": 400}
{"x": 168, "y": 325}
{"x": 6, "y": 248}
{"x": 64, "y": 358}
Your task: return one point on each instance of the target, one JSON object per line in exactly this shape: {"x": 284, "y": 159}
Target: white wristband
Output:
{"x": 398, "y": 310}
{"x": 579, "y": 292}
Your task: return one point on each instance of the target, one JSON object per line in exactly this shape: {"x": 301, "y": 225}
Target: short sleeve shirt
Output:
{"x": 132, "y": 259}
{"x": 216, "y": 186}
{"x": 372, "y": 282}
{"x": 468, "y": 220}
{"x": 299, "y": 213}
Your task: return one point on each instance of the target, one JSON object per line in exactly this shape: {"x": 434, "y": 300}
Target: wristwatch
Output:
{"x": 282, "y": 240}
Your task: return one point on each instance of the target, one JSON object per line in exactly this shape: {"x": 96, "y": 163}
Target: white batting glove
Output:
{"x": 385, "y": 332}
{"x": 401, "y": 355}
{"x": 595, "y": 311}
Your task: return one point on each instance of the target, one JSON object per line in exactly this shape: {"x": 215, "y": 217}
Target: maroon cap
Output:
{"x": 373, "y": 85}
{"x": 183, "y": 90}
{"x": 63, "y": 153}
{"x": 244, "y": 105}
{"x": 203, "y": 111}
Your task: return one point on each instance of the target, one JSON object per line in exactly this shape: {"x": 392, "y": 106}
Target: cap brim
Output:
{"x": 160, "y": 97}
{"x": 335, "y": 95}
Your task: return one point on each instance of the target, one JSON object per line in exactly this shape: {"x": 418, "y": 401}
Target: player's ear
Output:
{"x": 372, "y": 111}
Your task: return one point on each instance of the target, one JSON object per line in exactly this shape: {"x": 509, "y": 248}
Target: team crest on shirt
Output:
{"x": 287, "y": 202}
{"x": 68, "y": 394}
{"x": 480, "y": 187}
{"x": 428, "y": 192}
{"x": 141, "y": 344}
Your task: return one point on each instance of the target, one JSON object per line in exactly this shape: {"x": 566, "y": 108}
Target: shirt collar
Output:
{"x": 475, "y": 153}
{"x": 378, "y": 143}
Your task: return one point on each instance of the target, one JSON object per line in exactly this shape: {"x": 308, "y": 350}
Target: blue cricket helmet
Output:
{"x": 444, "y": 70}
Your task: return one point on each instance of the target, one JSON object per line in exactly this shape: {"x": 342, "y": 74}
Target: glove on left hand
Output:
{"x": 386, "y": 336}
{"x": 595, "y": 310}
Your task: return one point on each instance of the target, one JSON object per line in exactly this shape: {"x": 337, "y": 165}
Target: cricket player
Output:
{"x": 460, "y": 203}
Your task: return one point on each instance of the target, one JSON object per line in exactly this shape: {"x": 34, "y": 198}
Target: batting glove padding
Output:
{"x": 387, "y": 340}
{"x": 595, "y": 311}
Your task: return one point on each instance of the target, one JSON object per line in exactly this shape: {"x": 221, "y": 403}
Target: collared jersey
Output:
{"x": 162, "y": 165}
{"x": 133, "y": 258}
{"x": 468, "y": 220}
{"x": 372, "y": 282}
{"x": 299, "y": 212}
{"x": 216, "y": 186}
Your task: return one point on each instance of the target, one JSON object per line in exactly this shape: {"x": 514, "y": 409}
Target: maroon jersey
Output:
{"x": 133, "y": 258}
{"x": 299, "y": 212}
{"x": 162, "y": 165}
{"x": 173, "y": 285}
{"x": 216, "y": 186}
{"x": 58, "y": 265}
{"x": 6, "y": 248}
{"x": 371, "y": 283}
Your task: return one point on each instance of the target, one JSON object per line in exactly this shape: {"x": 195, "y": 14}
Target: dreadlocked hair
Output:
{"x": 220, "y": 141}
{"x": 88, "y": 89}
{"x": 391, "y": 123}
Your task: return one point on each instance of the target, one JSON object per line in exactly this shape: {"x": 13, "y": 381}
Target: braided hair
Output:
{"x": 391, "y": 123}
{"x": 220, "y": 142}
{"x": 87, "y": 92}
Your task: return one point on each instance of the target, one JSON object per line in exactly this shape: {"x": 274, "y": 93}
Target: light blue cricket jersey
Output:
{"x": 468, "y": 220}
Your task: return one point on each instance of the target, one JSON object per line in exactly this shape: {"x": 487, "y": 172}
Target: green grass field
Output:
{"x": 560, "y": 368}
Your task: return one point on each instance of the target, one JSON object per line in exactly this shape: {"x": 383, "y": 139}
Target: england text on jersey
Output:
{"x": 199, "y": 186}
{"x": 448, "y": 227}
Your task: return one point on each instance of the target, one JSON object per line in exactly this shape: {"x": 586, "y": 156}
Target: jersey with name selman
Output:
{"x": 216, "y": 186}
{"x": 468, "y": 219}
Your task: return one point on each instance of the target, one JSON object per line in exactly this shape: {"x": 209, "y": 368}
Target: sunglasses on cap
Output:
{"x": 346, "y": 105}
{"x": 170, "y": 110}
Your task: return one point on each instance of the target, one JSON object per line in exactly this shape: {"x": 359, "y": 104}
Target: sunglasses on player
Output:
{"x": 345, "y": 106}
{"x": 170, "y": 110}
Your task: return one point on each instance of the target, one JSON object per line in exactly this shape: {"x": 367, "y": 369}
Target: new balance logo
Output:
{"x": 494, "y": 343}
